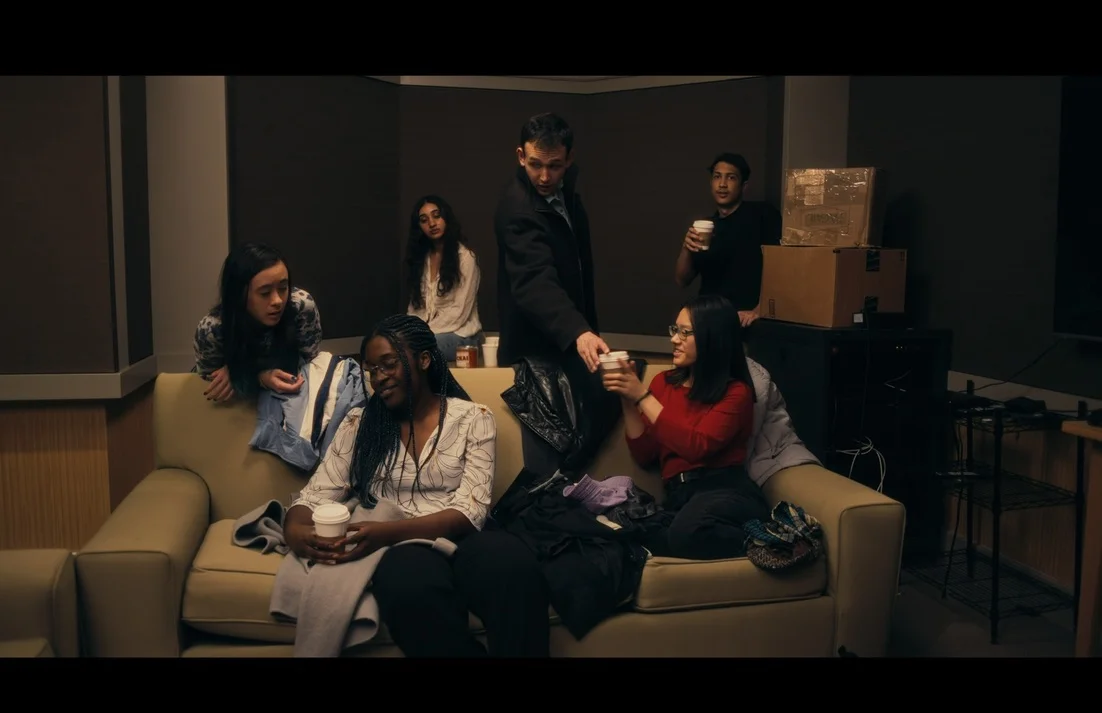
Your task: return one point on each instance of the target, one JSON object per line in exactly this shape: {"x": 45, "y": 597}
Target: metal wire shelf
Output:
{"x": 1018, "y": 593}
{"x": 1016, "y": 492}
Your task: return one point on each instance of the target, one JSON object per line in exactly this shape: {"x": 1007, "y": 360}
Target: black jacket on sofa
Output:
{"x": 566, "y": 406}
{"x": 590, "y": 568}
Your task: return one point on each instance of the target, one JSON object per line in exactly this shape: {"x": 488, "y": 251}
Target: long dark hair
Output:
{"x": 720, "y": 358}
{"x": 242, "y": 336}
{"x": 418, "y": 246}
{"x": 380, "y": 432}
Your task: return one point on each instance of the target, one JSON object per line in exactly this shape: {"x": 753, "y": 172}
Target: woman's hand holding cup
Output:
{"x": 618, "y": 376}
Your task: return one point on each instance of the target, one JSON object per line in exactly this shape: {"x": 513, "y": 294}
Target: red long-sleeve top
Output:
{"x": 689, "y": 434}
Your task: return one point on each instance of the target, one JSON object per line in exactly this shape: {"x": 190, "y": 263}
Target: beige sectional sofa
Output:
{"x": 38, "y": 604}
{"x": 161, "y": 578}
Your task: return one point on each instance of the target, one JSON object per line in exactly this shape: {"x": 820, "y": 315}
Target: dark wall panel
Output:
{"x": 642, "y": 157}
{"x": 54, "y": 223}
{"x": 313, "y": 171}
{"x": 1078, "y": 290}
{"x": 973, "y": 194}
{"x": 774, "y": 141}
{"x": 135, "y": 186}
{"x": 461, "y": 145}
{"x": 647, "y": 179}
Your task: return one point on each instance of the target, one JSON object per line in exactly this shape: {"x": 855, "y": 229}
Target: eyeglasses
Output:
{"x": 676, "y": 331}
{"x": 388, "y": 368}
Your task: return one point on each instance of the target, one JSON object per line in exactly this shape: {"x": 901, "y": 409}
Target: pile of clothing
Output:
{"x": 790, "y": 538}
{"x": 590, "y": 538}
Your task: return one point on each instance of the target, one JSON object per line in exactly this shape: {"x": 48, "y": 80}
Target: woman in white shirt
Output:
{"x": 423, "y": 445}
{"x": 443, "y": 276}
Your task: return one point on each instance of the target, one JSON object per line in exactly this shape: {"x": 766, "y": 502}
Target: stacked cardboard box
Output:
{"x": 829, "y": 265}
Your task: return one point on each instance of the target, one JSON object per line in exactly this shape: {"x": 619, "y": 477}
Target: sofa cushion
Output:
{"x": 32, "y": 648}
{"x": 671, "y": 584}
{"x": 229, "y": 588}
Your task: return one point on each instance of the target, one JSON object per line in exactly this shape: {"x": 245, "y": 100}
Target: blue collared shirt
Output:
{"x": 559, "y": 204}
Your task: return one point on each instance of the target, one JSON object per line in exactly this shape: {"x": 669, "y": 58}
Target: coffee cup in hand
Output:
{"x": 331, "y": 520}
{"x": 704, "y": 230}
{"x": 613, "y": 361}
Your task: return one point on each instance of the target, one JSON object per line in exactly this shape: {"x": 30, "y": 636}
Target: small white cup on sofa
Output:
{"x": 489, "y": 351}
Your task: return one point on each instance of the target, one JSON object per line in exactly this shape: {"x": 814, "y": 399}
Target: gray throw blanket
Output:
{"x": 331, "y": 605}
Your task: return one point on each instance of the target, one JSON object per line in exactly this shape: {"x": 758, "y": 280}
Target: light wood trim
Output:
{"x": 53, "y": 474}
{"x": 65, "y": 466}
{"x": 1083, "y": 430}
{"x": 130, "y": 452}
{"x": 1089, "y": 618}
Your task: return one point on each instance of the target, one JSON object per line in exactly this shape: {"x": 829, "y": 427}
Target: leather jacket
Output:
{"x": 565, "y": 405}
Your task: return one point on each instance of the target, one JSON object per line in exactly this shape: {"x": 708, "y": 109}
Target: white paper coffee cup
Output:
{"x": 331, "y": 520}
{"x": 489, "y": 355}
{"x": 704, "y": 229}
{"x": 611, "y": 360}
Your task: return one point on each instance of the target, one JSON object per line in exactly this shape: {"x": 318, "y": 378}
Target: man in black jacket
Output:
{"x": 732, "y": 266}
{"x": 546, "y": 302}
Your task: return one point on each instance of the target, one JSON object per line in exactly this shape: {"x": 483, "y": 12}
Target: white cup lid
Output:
{"x": 331, "y": 514}
{"x": 704, "y": 224}
{"x": 614, "y": 356}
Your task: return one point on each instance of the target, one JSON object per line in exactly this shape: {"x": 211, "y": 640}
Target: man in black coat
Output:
{"x": 546, "y": 301}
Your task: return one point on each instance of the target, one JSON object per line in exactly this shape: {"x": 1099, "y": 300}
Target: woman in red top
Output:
{"x": 696, "y": 421}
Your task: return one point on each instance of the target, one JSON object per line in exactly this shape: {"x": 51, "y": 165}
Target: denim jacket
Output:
{"x": 299, "y": 427}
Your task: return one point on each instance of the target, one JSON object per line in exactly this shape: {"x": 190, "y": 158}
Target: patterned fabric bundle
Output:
{"x": 790, "y": 538}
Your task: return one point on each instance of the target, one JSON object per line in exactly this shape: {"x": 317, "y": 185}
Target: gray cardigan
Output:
{"x": 775, "y": 445}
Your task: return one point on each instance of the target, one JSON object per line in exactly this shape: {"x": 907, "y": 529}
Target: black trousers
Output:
{"x": 424, "y": 598}
{"x": 708, "y": 516}
{"x": 539, "y": 456}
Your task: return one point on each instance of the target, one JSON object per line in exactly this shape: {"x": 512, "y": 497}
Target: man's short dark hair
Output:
{"x": 736, "y": 160}
{"x": 547, "y": 131}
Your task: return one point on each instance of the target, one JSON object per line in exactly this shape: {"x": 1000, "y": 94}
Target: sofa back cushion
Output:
{"x": 485, "y": 385}
{"x": 212, "y": 440}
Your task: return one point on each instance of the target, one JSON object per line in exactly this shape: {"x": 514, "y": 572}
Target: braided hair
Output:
{"x": 380, "y": 432}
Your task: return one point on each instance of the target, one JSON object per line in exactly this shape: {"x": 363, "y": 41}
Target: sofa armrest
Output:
{"x": 38, "y": 602}
{"x": 132, "y": 572}
{"x": 863, "y": 534}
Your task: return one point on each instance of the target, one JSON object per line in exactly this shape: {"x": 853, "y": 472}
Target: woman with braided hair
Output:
{"x": 422, "y": 444}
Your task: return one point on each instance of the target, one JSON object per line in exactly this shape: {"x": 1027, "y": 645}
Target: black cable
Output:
{"x": 868, "y": 371}
{"x": 1021, "y": 371}
{"x": 960, "y": 500}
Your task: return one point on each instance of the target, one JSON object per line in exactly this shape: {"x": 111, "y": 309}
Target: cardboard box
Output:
{"x": 825, "y": 286}
{"x": 841, "y": 207}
